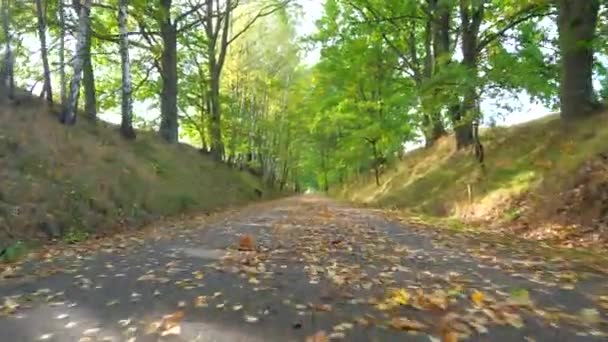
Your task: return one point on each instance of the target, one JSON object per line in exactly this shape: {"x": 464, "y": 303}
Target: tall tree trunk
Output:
{"x": 126, "y": 123}
{"x": 467, "y": 111}
{"x": 577, "y": 21}
{"x": 88, "y": 77}
{"x": 41, "y": 13}
{"x": 62, "y": 78}
{"x": 168, "y": 97}
{"x": 204, "y": 111}
{"x": 217, "y": 146}
{"x": 440, "y": 33}
{"x": 471, "y": 18}
{"x": 7, "y": 74}
{"x": 217, "y": 57}
{"x": 68, "y": 116}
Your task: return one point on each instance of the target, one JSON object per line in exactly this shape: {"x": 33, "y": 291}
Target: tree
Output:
{"x": 62, "y": 77}
{"x": 216, "y": 20}
{"x": 68, "y": 116}
{"x": 7, "y": 72}
{"x": 170, "y": 20}
{"x": 126, "y": 124}
{"x": 577, "y": 21}
{"x": 168, "y": 96}
{"x": 88, "y": 75}
{"x": 422, "y": 44}
{"x": 42, "y": 26}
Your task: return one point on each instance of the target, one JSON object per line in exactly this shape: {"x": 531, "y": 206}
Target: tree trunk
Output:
{"x": 376, "y": 161}
{"x": 88, "y": 78}
{"x": 217, "y": 146}
{"x": 577, "y": 21}
{"x": 7, "y": 74}
{"x": 168, "y": 97}
{"x": 62, "y": 78}
{"x": 463, "y": 118}
{"x": 68, "y": 116}
{"x": 126, "y": 124}
{"x": 440, "y": 32}
{"x": 41, "y": 13}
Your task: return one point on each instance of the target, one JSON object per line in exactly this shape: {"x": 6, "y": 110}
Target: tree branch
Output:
{"x": 536, "y": 12}
{"x": 262, "y": 13}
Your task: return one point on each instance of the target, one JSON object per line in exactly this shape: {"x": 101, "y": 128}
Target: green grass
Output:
{"x": 535, "y": 161}
{"x": 90, "y": 181}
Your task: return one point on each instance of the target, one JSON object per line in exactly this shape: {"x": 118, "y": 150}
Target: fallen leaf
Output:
{"x": 343, "y": 326}
{"x": 590, "y": 316}
{"x": 200, "y": 301}
{"x": 10, "y": 306}
{"x": 320, "y": 336}
{"x": 91, "y": 332}
{"x": 246, "y": 243}
{"x": 450, "y": 336}
{"x": 251, "y": 319}
{"x": 402, "y": 323}
{"x": 174, "y": 330}
{"x": 520, "y": 297}
{"x": 173, "y": 318}
{"x": 322, "y": 307}
{"x": 477, "y": 297}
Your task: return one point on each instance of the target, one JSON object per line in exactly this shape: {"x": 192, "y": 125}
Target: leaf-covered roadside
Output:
{"x": 308, "y": 269}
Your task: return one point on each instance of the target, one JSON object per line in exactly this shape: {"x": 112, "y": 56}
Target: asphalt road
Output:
{"x": 317, "y": 268}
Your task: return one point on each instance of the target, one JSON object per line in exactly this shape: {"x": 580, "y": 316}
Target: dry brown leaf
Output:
{"x": 322, "y": 307}
{"x": 320, "y": 336}
{"x": 403, "y": 323}
{"x": 246, "y": 243}
{"x": 449, "y": 336}
{"x": 173, "y": 319}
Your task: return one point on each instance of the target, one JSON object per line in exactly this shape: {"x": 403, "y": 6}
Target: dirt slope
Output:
{"x": 75, "y": 182}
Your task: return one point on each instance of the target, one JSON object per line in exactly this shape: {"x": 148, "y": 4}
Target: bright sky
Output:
{"x": 312, "y": 11}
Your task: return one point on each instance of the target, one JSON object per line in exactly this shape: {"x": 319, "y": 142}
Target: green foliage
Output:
{"x": 75, "y": 235}
{"x": 14, "y": 252}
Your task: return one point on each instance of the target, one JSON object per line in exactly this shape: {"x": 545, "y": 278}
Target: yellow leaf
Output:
{"x": 477, "y": 297}
{"x": 401, "y": 296}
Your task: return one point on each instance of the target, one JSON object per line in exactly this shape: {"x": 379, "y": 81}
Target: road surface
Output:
{"x": 318, "y": 271}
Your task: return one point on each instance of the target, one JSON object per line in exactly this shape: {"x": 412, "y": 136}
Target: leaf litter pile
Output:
{"x": 305, "y": 269}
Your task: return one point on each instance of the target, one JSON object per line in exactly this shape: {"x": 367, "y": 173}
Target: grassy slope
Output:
{"x": 87, "y": 180}
{"x": 528, "y": 168}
